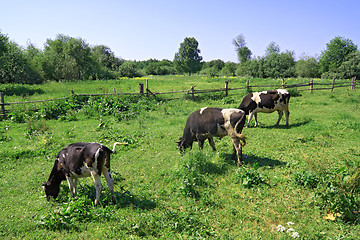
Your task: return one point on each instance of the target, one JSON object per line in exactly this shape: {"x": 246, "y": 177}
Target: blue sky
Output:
{"x": 140, "y": 29}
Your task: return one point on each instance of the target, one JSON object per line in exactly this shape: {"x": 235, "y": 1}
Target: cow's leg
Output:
{"x": 72, "y": 185}
{"x": 255, "y": 118}
{"x": 97, "y": 181}
{"x": 212, "y": 144}
{"x": 249, "y": 119}
{"x": 280, "y": 112}
{"x": 110, "y": 181}
{"x": 201, "y": 144}
{"x": 287, "y": 113}
{"x": 238, "y": 149}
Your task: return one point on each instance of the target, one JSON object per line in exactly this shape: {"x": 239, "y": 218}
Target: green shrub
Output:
{"x": 307, "y": 178}
{"x": 191, "y": 172}
{"x": 249, "y": 177}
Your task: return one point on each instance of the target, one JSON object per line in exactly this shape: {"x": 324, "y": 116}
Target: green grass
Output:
{"x": 298, "y": 174}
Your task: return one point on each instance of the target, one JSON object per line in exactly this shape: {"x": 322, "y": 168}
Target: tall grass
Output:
{"x": 307, "y": 174}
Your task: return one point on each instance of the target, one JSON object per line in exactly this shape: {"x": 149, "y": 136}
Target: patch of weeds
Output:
{"x": 188, "y": 223}
{"x": 35, "y": 128}
{"x": 340, "y": 195}
{"x": 307, "y": 178}
{"x": 249, "y": 178}
{"x": 4, "y": 137}
{"x": 68, "y": 214}
{"x": 191, "y": 172}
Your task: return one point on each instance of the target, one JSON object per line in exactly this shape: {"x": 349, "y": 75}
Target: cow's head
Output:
{"x": 51, "y": 190}
{"x": 183, "y": 145}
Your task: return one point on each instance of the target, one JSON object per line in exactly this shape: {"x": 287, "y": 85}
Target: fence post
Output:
{"x": 283, "y": 83}
{"x": 248, "y": 86}
{"x": 141, "y": 88}
{"x": 226, "y": 87}
{"x": 333, "y": 84}
{"x": 311, "y": 85}
{"x": 147, "y": 87}
{"x": 193, "y": 93}
{"x": 2, "y": 104}
{"x": 353, "y": 83}
{"x": 72, "y": 92}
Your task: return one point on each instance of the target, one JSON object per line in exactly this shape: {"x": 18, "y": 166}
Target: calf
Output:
{"x": 266, "y": 102}
{"x": 80, "y": 160}
{"x": 207, "y": 123}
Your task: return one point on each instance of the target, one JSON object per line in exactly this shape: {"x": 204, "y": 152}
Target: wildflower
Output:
{"x": 295, "y": 235}
{"x": 280, "y": 228}
{"x": 290, "y": 230}
{"x": 290, "y": 223}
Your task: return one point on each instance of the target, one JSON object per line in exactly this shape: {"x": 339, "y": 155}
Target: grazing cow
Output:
{"x": 80, "y": 160}
{"x": 266, "y": 102}
{"x": 207, "y": 123}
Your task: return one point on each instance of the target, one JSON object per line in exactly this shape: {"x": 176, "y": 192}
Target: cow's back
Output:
{"x": 205, "y": 120}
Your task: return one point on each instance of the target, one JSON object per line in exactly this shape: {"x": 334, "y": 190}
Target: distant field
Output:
{"x": 306, "y": 174}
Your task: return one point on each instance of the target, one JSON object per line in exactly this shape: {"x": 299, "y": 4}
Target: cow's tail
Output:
{"x": 242, "y": 138}
{"x": 117, "y": 143}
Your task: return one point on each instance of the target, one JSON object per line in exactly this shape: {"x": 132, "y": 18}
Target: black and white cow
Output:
{"x": 207, "y": 123}
{"x": 80, "y": 160}
{"x": 266, "y": 102}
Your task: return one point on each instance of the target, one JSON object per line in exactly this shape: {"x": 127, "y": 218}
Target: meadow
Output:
{"x": 302, "y": 179}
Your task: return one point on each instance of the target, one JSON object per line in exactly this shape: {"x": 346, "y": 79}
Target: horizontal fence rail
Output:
{"x": 193, "y": 92}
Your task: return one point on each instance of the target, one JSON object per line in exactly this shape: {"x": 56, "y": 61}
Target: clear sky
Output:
{"x": 144, "y": 29}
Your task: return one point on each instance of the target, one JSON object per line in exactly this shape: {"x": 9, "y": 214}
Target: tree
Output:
{"x": 106, "y": 57}
{"x": 243, "y": 52}
{"x": 68, "y": 58}
{"x": 336, "y": 52}
{"x": 14, "y": 65}
{"x": 348, "y": 69}
{"x": 272, "y": 48}
{"x": 229, "y": 69}
{"x": 307, "y": 67}
{"x": 188, "y": 60}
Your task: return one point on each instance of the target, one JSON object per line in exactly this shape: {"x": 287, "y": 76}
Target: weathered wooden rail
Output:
{"x": 193, "y": 92}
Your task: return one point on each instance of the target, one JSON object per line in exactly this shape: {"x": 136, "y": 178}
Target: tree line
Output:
{"x": 68, "y": 58}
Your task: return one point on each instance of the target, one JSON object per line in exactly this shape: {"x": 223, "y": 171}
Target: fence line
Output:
{"x": 192, "y": 91}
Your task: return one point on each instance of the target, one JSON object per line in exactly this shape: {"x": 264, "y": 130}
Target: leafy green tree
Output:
{"x": 307, "y": 67}
{"x": 348, "y": 69}
{"x": 128, "y": 69}
{"x": 14, "y": 66}
{"x": 68, "y": 58}
{"x": 188, "y": 60}
{"x": 272, "y": 48}
{"x": 229, "y": 69}
{"x": 106, "y": 57}
{"x": 243, "y": 52}
{"x": 278, "y": 64}
{"x": 253, "y": 68}
{"x": 336, "y": 52}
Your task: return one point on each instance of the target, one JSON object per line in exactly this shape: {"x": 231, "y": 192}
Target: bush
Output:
{"x": 249, "y": 177}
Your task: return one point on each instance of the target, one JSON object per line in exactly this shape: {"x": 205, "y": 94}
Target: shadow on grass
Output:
{"x": 299, "y": 124}
{"x": 261, "y": 161}
{"x": 20, "y": 91}
{"x": 252, "y": 160}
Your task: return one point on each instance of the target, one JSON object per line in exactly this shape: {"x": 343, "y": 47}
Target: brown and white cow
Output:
{"x": 266, "y": 102}
{"x": 207, "y": 123}
{"x": 80, "y": 160}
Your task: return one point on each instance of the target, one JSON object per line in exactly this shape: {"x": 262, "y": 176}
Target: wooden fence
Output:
{"x": 310, "y": 86}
